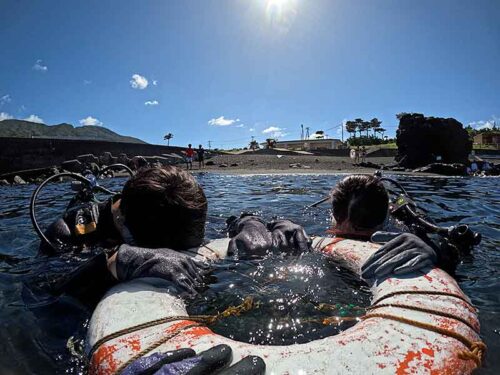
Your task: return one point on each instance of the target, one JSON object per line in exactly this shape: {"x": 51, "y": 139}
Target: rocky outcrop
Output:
{"x": 454, "y": 169}
{"x": 424, "y": 140}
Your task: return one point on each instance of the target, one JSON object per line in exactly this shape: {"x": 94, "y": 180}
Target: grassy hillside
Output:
{"x": 26, "y": 129}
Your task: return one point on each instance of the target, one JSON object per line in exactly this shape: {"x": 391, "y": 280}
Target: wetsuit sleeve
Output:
{"x": 88, "y": 282}
{"x": 134, "y": 262}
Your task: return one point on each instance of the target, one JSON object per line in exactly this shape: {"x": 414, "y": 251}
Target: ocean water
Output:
{"x": 41, "y": 334}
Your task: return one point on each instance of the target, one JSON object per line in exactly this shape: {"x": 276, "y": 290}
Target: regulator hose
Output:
{"x": 34, "y": 197}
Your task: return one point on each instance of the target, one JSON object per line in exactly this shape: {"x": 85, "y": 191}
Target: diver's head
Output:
{"x": 360, "y": 205}
{"x": 164, "y": 207}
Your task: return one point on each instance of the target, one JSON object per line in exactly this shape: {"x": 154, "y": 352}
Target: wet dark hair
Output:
{"x": 362, "y": 200}
{"x": 164, "y": 207}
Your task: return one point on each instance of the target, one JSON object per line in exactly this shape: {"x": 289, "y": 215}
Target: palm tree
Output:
{"x": 168, "y": 137}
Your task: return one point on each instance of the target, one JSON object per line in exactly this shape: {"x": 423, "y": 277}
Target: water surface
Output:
{"x": 36, "y": 332}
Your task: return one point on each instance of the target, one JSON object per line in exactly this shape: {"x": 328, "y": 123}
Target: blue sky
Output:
{"x": 225, "y": 70}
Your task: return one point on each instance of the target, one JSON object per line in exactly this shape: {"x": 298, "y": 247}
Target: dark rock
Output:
{"x": 210, "y": 162}
{"x": 455, "y": 169}
{"x": 422, "y": 140}
{"x": 18, "y": 180}
{"x": 316, "y": 160}
{"x": 368, "y": 164}
{"x": 157, "y": 161}
{"x": 137, "y": 162}
{"x": 222, "y": 165}
{"x": 87, "y": 158}
{"x": 122, "y": 159}
{"x": 107, "y": 159}
{"x": 234, "y": 165}
{"x": 295, "y": 165}
{"x": 72, "y": 166}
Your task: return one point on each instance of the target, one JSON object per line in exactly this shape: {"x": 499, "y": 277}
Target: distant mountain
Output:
{"x": 26, "y": 129}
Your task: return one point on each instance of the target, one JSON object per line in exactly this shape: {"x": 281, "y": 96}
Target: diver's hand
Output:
{"x": 249, "y": 235}
{"x": 185, "y": 361}
{"x": 288, "y": 235}
{"x": 133, "y": 262}
{"x": 404, "y": 254}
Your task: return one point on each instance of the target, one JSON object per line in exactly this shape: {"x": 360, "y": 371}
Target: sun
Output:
{"x": 276, "y": 5}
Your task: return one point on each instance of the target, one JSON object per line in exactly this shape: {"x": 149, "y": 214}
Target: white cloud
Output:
{"x": 139, "y": 82}
{"x": 90, "y": 121}
{"x": 488, "y": 124}
{"x": 39, "y": 66}
{"x": 251, "y": 129}
{"x": 34, "y": 118}
{"x": 5, "y": 116}
{"x": 222, "y": 121}
{"x": 5, "y": 99}
{"x": 240, "y": 126}
{"x": 275, "y": 132}
{"x": 271, "y": 129}
{"x": 151, "y": 102}
{"x": 155, "y": 82}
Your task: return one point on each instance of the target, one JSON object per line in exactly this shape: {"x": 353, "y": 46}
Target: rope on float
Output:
{"x": 476, "y": 349}
{"x": 247, "y": 305}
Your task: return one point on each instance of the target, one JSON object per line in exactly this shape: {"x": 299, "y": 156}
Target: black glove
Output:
{"x": 185, "y": 361}
{"x": 288, "y": 235}
{"x": 133, "y": 262}
{"x": 404, "y": 254}
{"x": 249, "y": 235}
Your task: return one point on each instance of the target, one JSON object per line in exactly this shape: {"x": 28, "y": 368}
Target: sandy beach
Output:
{"x": 304, "y": 164}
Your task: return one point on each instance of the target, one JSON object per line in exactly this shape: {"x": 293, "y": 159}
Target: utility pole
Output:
{"x": 307, "y": 132}
{"x": 301, "y": 132}
{"x": 209, "y": 144}
{"x": 342, "y": 126}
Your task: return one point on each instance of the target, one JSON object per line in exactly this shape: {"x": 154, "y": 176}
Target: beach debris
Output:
{"x": 4, "y": 183}
{"x": 295, "y": 165}
{"x": 279, "y": 156}
{"x": 210, "y": 162}
{"x": 234, "y": 165}
{"x": 223, "y": 165}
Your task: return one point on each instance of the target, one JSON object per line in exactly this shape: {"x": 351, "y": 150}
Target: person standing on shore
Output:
{"x": 201, "y": 157}
{"x": 189, "y": 157}
{"x": 363, "y": 154}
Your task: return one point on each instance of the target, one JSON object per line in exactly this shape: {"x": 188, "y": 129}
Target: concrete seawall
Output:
{"x": 28, "y": 153}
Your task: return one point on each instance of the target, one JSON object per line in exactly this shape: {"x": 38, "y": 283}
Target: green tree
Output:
{"x": 375, "y": 124}
{"x": 351, "y": 127}
{"x": 359, "y": 125}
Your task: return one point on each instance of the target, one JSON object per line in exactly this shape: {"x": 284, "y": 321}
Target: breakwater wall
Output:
{"x": 29, "y": 153}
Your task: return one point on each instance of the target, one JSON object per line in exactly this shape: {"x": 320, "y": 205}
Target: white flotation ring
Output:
{"x": 417, "y": 324}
